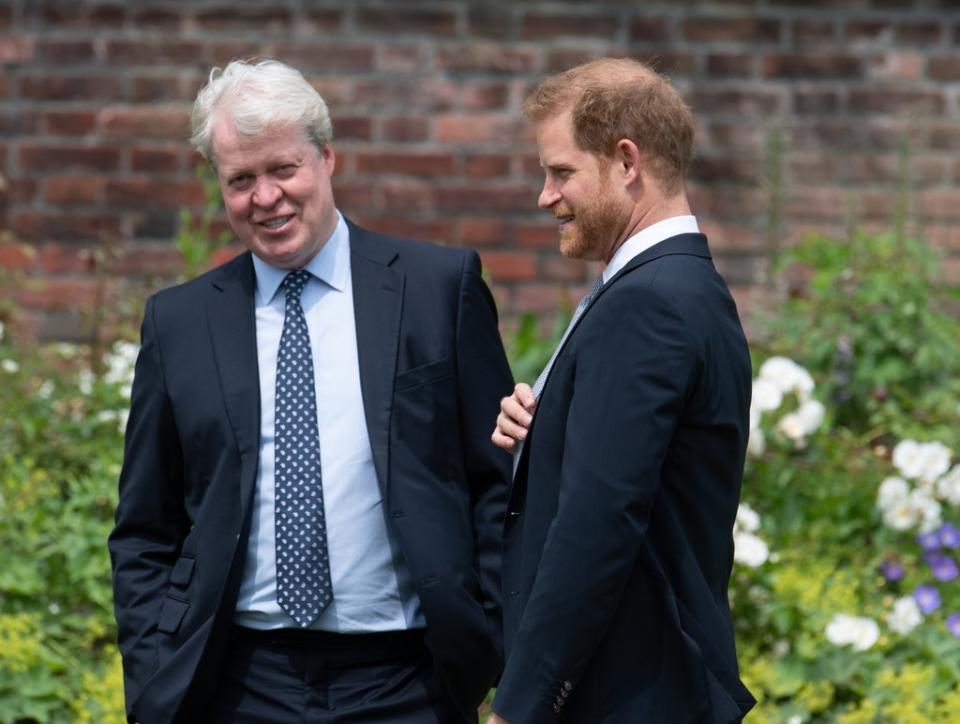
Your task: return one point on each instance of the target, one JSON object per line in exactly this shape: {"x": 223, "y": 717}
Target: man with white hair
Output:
{"x": 310, "y": 506}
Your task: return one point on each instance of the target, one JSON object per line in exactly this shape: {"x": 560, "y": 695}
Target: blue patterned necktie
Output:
{"x": 542, "y": 379}
{"x": 304, "y": 589}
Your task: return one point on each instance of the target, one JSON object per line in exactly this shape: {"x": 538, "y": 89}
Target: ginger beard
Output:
{"x": 596, "y": 224}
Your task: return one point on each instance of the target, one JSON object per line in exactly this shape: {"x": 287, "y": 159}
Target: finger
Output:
{"x": 511, "y": 428}
{"x": 524, "y": 394}
{"x": 502, "y": 441}
{"x": 512, "y": 409}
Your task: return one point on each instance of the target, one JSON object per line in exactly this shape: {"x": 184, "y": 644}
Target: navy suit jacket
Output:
{"x": 432, "y": 372}
{"x": 618, "y": 545}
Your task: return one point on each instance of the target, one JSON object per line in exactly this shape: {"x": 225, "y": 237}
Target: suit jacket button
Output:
{"x": 567, "y": 685}
{"x": 564, "y": 693}
{"x": 556, "y": 708}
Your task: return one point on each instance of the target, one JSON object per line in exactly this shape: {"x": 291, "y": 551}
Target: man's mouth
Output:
{"x": 277, "y": 222}
{"x": 565, "y": 219}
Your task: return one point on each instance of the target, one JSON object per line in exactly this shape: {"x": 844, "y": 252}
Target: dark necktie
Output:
{"x": 303, "y": 562}
{"x": 542, "y": 379}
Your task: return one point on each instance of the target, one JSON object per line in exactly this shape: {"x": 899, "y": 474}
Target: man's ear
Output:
{"x": 629, "y": 160}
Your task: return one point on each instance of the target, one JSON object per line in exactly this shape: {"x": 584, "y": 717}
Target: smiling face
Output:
{"x": 579, "y": 188}
{"x": 277, "y": 192}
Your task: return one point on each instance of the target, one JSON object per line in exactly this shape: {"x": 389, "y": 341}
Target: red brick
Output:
{"x": 549, "y": 25}
{"x": 944, "y": 67}
{"x": 509, "y": 265}
{"x": 742, "y": 102}
{"x": 324, "y": 20}
{"x": 402, "y": 59}
{"x": 59, "y": 158}
{"x": 454, "y": 198}
{"x": 166, "y": 17}
{"x": 545, "y": 299}
{"x": 407, "y": 94}
{"x": 66, "y": 88}
{"x": 146, "y": 52}
{"x": 939, "y": 203}
{"x": 58, "y": 293}
{"x": 415, "y": 164}
{"x": 140, "y": 123}
{"x": 896, "y": 101}
{"x": 670, "y": 64}
{"x": 741, "y": 29}
{"x": 239, "y": 17}
{"x": 407, "y": 196}
{"x": 816, "y": 101}
{"x": 18, "y": 191}
{"x": 650, "y": 28}
{"x": 897, "y": 66}
{"x": 559, "y": 267}
{"x": 886, "y": 32}
{"x": 222, "y": 52}
{"x": 70, "y": 123}
{"x": 6, "y": 13}
{"x": 66, "y": 259}
{"x": 814, "y": 168}
{"x": 354, "y": 196}
{"x": 73, "y": 189}
{"x": 405, "y": 20}
{"x": 803, "y": 65}
{"x": 730, "y": 65}
{"x": 404, "y": 129}
{"x": 813, "y": 32}
{"x": 490, "y": 22}
{"x": 326, "y": 58}
{"x": 17, "y": 50}
{"x": 485, "y": 165}
{"x": 72, "y": 226}
{"x": 153, "y": 193}
{"x": 4, "y": 86}
{"x": 66, "y": 51}
{"x": 159, "y": 88}
{"x": 156, "y": 160}
{"x": 540, "y": 235}
{"x": 730, "y": 169}
{"x": 476, "y": 128}
{"x": 16, "y": 257}
{"x": 149, "y": 259}
{"x": 483, "y": 231}
{"x": 438, "y": 231}
{"x": 484, "y": 96}
{"x": 355, "y": 128}
{"x": 487, "y": 56}
{"x": 107, "y": 16}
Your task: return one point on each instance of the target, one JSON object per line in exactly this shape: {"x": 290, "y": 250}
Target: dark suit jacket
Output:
{"x": 432, "y": 372}
{"x": 618, "y": 545}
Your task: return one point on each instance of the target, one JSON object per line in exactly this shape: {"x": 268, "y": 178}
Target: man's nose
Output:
{"x": 266, "y": 192}
{"x": 548, "y": 195}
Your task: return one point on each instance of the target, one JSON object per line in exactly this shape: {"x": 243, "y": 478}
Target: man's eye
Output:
{"x": 286, "y": 169}
{"x": 240, "y": 181}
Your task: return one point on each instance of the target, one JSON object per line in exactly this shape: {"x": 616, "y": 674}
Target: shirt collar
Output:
{"x": 330, "y": 265}
{"x": 645, "y": 238}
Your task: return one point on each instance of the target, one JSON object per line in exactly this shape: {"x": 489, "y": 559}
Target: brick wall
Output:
{"x": 425, "y": 95}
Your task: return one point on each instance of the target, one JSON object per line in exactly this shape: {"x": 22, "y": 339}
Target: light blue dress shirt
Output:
{"x": 372, "y": 587}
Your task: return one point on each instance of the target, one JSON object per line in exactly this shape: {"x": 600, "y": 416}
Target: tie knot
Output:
{"x": 294, "y": 283}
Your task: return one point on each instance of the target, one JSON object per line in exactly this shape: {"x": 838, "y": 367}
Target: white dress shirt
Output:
{"x": 645, "y": 238}
{"x": 372, "y": 588}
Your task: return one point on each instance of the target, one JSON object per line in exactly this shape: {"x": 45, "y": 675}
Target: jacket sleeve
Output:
{"x": 484, "y": 378}
{"x": 150, "y": 519}
{"x": 633, "y": 366}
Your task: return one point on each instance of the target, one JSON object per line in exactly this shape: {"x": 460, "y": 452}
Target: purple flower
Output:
{"x": 891, "y": 570}
{"x": 953, "y": 624}
{"x": 944, "y": 567}
{"x": 929, "y": 541}
{"x": 927, "y": 598}
{"x": 949, "y": 536}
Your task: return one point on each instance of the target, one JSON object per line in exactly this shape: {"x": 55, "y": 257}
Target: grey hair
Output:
{"x": 255, "y": 96}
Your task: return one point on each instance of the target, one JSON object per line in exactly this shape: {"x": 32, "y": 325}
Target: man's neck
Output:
{"x": 645, "y": 216}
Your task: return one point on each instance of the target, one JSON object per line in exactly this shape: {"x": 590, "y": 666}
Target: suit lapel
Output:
{"x": 377, "y": 308}
{"x": 233, "y": 333}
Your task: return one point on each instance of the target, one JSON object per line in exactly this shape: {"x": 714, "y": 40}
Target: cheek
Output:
{"x": 236, "y": 206}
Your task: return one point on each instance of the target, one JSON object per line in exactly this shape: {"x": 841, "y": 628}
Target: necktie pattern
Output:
{"x": 542, "y": 379}
{"x": 304, "y": 589}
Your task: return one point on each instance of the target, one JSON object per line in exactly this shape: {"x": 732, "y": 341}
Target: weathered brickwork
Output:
{"x": 860, "y": 97}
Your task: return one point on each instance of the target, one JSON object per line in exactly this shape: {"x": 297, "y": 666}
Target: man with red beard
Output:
{"x": 629, "y": 448}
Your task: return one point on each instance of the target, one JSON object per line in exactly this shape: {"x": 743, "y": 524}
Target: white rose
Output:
{"x": 794, "y": 427}
{"x": 901, "y": 515}
{"x": 811, "y": 415}
{"x": 85, "y": 381}
{"x": 2, "y": 330}
{"x": 905, "y": 616}
{"x": 935, "y": 457}
{"x": 750, "y": 550}
{"x": 788, "y": 376}
{"x": 10, "y": 366}
{"x": 747, "y": 519}
{"x": 928, "y": 509}
{"x": 908, "y": 458}
{"x": 858, "y": 632}
{"x": 756, "y": 443}
{"x": 948, "y": 487}
{"x": 891, "y": 491}
{"x": 766, "y": 395}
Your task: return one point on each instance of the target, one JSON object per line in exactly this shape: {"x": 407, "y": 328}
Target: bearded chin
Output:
{"x": 595, "y": 230}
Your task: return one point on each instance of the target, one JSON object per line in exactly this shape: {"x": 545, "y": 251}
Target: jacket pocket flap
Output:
{"x": 424, "y": 373}
{"x": 182, "y": 571}
{"x": 172, "y": 614}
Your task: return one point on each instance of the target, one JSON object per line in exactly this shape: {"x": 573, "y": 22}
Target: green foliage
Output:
{"x": 528, "y": 350}
{"x": 878, "y": 332}
{"x": 196, "y": 240}
{"x": 60, "y": 448}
